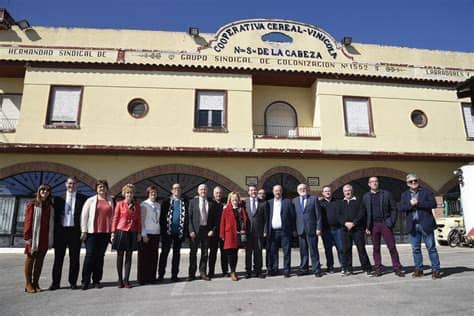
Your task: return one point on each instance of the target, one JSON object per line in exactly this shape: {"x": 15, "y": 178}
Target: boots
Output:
{"x": 234, "y": 276}
{"x": 37, "y": 270}
{"x": 28, "y": 274}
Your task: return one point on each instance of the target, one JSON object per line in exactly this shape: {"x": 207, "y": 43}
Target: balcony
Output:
{"x": 288, "y": 132}
{"x": 7, "y": 124}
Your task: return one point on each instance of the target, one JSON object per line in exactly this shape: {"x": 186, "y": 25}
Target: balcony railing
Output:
{"x": 8, "y": 124}
{"x": 286, "y": 131}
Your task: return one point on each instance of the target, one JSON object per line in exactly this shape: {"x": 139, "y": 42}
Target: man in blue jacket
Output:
{"x": 418, "y": 204}
{"x": 308, "y": 227}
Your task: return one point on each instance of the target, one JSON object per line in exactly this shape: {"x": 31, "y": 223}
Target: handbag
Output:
{"x": 241, "y": 237}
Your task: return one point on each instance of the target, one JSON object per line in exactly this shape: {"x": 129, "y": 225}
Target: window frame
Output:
{"x": 11, "y": 130}
{"x": 425, "y": 117}
{"x": 208, "y": 129}
{"x": 48, "y": 124}
{"x": 463, "y": 104}
{"x": 371, "y": 132}
{"x": 147, "y": 107}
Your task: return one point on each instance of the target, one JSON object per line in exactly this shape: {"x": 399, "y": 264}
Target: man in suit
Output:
{"x": 332, "y": 229}
{"x": 308, "y": 227}
{"x": 67, "y": 233}
{"x": 174, "y": 227}
{"x": 215, "y": 242}
{"x": 202, "y": 226}
{"x": 418, "y": 204}
{"x": 280, "y": 227}
{"x": 352, "y": 218}
{"x": 256, "y": 232}
{"x": 381, "y": 211}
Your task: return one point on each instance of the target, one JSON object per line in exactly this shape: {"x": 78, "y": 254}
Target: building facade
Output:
{"x": 259, "y": 102}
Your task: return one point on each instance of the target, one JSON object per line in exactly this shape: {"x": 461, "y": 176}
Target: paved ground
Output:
{"x": 329, "y": 295}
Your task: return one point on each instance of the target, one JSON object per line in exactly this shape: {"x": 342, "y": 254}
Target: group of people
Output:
{"x": 213, "y": 224}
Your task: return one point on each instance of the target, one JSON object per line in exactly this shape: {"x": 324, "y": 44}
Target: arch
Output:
{"x": 448, "y": 186}
{"x": 376, "y": 171}
{"x": 47, "y": 166}
{"x": 176, "y": 168}
{"x": 280, "y": 118}
{"x": 270, "y": 172}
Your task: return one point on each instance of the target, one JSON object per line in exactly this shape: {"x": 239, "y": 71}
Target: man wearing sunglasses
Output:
{"x": 418, "y": 203}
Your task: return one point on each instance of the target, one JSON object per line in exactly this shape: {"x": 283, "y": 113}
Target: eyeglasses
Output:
{"x": 412, "y": 181}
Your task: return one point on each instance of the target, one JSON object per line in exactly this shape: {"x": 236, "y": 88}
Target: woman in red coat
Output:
{"x": 38, "y": 234}
{"x": 126, "y": 232}
{"x": 232, "y": 230}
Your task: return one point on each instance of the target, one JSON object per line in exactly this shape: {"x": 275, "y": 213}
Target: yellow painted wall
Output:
{"x": 105, "y": 120}
{"x": 116, "y": 167}
{"x": 300, "y": 98}
{"x": 392, "y": 105}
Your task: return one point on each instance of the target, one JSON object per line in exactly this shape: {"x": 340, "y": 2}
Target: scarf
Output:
{"x": 37, "y": 228}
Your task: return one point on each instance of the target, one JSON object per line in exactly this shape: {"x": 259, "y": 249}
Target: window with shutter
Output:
{"x": 64, "y": 105}
{"x": 9, "y": 111}
{"x": 280, "y": 120}
{"x": 468, "y": 114}
{"x": 210, "y": 109}
{"x": 358, "y": 116}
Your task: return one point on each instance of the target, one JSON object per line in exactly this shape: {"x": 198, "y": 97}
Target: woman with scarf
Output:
{"x": 38, "y": 234}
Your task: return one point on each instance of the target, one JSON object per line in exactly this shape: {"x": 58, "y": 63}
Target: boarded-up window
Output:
{"x": 357, "y": 115}
{"x": 280, "y": 120}
{"x": 64, "y": 105}
{"x": 468, "y": 113}
{"x": 210, "y": 109}
{"x": 9, "y": 110}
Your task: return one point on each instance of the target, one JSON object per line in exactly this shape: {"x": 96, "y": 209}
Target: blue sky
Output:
{"x": 431, "y": 24}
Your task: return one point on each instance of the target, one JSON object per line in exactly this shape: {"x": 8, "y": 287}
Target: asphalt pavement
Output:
{"x": 331, "y": 294}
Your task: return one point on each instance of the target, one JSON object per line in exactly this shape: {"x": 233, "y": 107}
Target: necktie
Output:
{"x": 254, "y": 206}
{"x": 203, "y": 212}
{"x": 302, "y": 204}
{"x": 68, "y": 204}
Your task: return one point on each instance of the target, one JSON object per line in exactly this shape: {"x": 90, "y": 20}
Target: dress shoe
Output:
{"x": 174, "y": 279}
{"x": 120, "y": 285}
{"x": 53, "y": 287}
{"x": 301, "y": 273}
{"x": 85, "y": 286}
{"x": 127, "y": 285}
{"x": 347, "y": 273}
{"x": 204, "y": 277}
{"x": 330, "y": 270}
{"x": 233, "y": 276}
{"x": 369, "y": 273}
{"x": 286, "y": 274}
{"x": 318, "y": 274}
{"x": 436, "y": 275}
{"x": 97, "y": 285}
{"x": 272, "y": 273}
{"x": 211, "y": 275}
{"x": 191, "y": 278}
{"x": 376, "y": 274}
{"x": 248, "y": 275}
{"x": 417, "y": 274}
{"x": 400, "y": 274}
{"x": 160, "y": 279}
{"x": 260, "y": 275}
{"x": 73, "y": 287}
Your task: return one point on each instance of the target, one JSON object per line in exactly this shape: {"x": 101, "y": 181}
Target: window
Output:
{"x": 210, "y": 109}
{"x": 419, "y": 118}
{"x": 468, "y": 114}
{"x": 358, "y": 116}
{"x": 64, "y": 106}
{"x": 280, "y": 120}
{"x": 9, "y": 111}
{"x": 137, "y": 108}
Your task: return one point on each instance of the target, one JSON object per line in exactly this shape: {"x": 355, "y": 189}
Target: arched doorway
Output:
{"x": 395, "y": 186}
{"x": 164, "y": 182}
{"x": 287, "y": 181}
{"x": 280, "y": 119}
{"x": 16, "y": 191}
